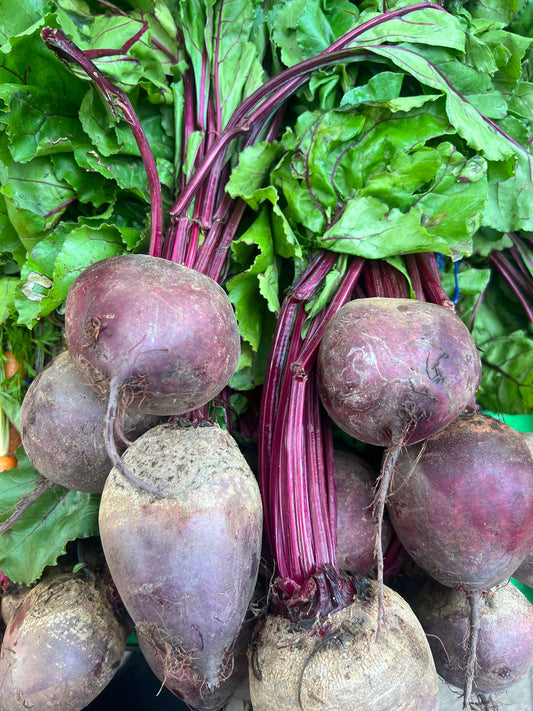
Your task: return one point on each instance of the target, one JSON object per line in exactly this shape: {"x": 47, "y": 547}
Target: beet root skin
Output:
{"x": 355, "y": 480}
{"x": 338, "y": 664}
{"x": 185, "y": 564}
{"x": 62, "y": 428}
{"x": 61, "y": 647}
{"x": 166, "y": 332}
{"x": 504, "y": 653}
{"x": 461, "y": 503}
{"x": 394, "y": 371}
{"x": 524, "y": 573}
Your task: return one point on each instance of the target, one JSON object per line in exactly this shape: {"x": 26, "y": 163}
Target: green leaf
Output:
{"x": 251, "y": 173}
{"x": 257, "y": 285}
{"x": 381, "y": 88}
{"x": 57, "y": 517}
{"x": 7, "y": 296}
{"x": 234, "y": 47}
{"x": 479, "y": 133}
{"x": 499, "y": 11}
{"x": 507, "y": 382}
{"x": 301, "y": 28}
{"x": 34, "y": 197}
{"x": 369, "y": 228}
{"x": 56, "y": 260}
{"x": 426, "y": 26}
{"x": 19, "y": 17}
{"x": 35, "y": 125}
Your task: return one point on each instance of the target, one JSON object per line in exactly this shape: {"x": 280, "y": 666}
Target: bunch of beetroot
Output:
{"x": 152, "y": 341}
{"x": 401, "y": 375}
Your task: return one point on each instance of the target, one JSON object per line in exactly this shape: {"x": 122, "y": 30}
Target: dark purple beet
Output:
{"x": 166, "y": 333}
{"x": 504, "y": 653}
{"x": 461, "y": 502}
{"x": 154, "y": 336}
{"x": 394, "y": 371}
{"x": 355, "y": 481}
{"x": 62, "y": 428}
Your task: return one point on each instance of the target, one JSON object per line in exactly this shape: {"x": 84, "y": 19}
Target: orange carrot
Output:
{"x": 14, "y": 439}
{"x": 8, "y": 461}
{"x": 11, "y": 365}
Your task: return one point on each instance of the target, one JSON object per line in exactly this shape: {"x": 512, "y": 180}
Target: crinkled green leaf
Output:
{"x": 35, "y": 198}
{"x": 510, "y": 202}
{"x": 520, "y": 102}
{"x": 144, "y": 61}
{"x": 426, "y": 26}
{"x": 369, "y": 228}
{"x": 36, "y": 124}
{"x": 53, "y": 264}
{"x": 466, "y": 119}
{"x": 381, "y": 88}
{"x": 302, "y": 29}
{"x": 499, "y": 11}
{"x": 57, "y": 517}
{"x": 19, "y": 17}
{"x": 507, "y": 379}
{"x": 257, "y": 286}
{"x": 249, "y": 177}
{"x": 90, "y": 187}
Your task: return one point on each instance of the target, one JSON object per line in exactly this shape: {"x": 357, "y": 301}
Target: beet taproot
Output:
{"x": 461, "y": 502}
{"x": 337, "y": 663}
{"x": 62, "y": 427}
{"x": 186, "y": 563}
{"x": 61, "y": 647}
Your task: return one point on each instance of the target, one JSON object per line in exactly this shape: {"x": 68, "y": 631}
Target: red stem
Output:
{"x": 66, "y": 50}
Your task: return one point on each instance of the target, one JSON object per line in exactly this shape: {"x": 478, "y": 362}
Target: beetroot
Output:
{"x": 62, "y": 428}
{"x": 461, "y": 502}
{"x": 61, "y": 647}
{"x": 185, "y": 564}
{"x": 354, "y": 481}
{"x": 524, "y": 573}
{"x": 504, "y": 648}
{"x": 339, "y": 664}
{"x": 154, "y": 336}
{"x": 394, "y": 371}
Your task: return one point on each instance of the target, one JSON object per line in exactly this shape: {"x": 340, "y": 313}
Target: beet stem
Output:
{"x": 70, "y": 53}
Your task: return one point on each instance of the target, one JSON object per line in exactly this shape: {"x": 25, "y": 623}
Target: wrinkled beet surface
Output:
{"x": 168, "y": 333}
{"x": 394, "y": 371}
{"x": 338, "y": 664}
